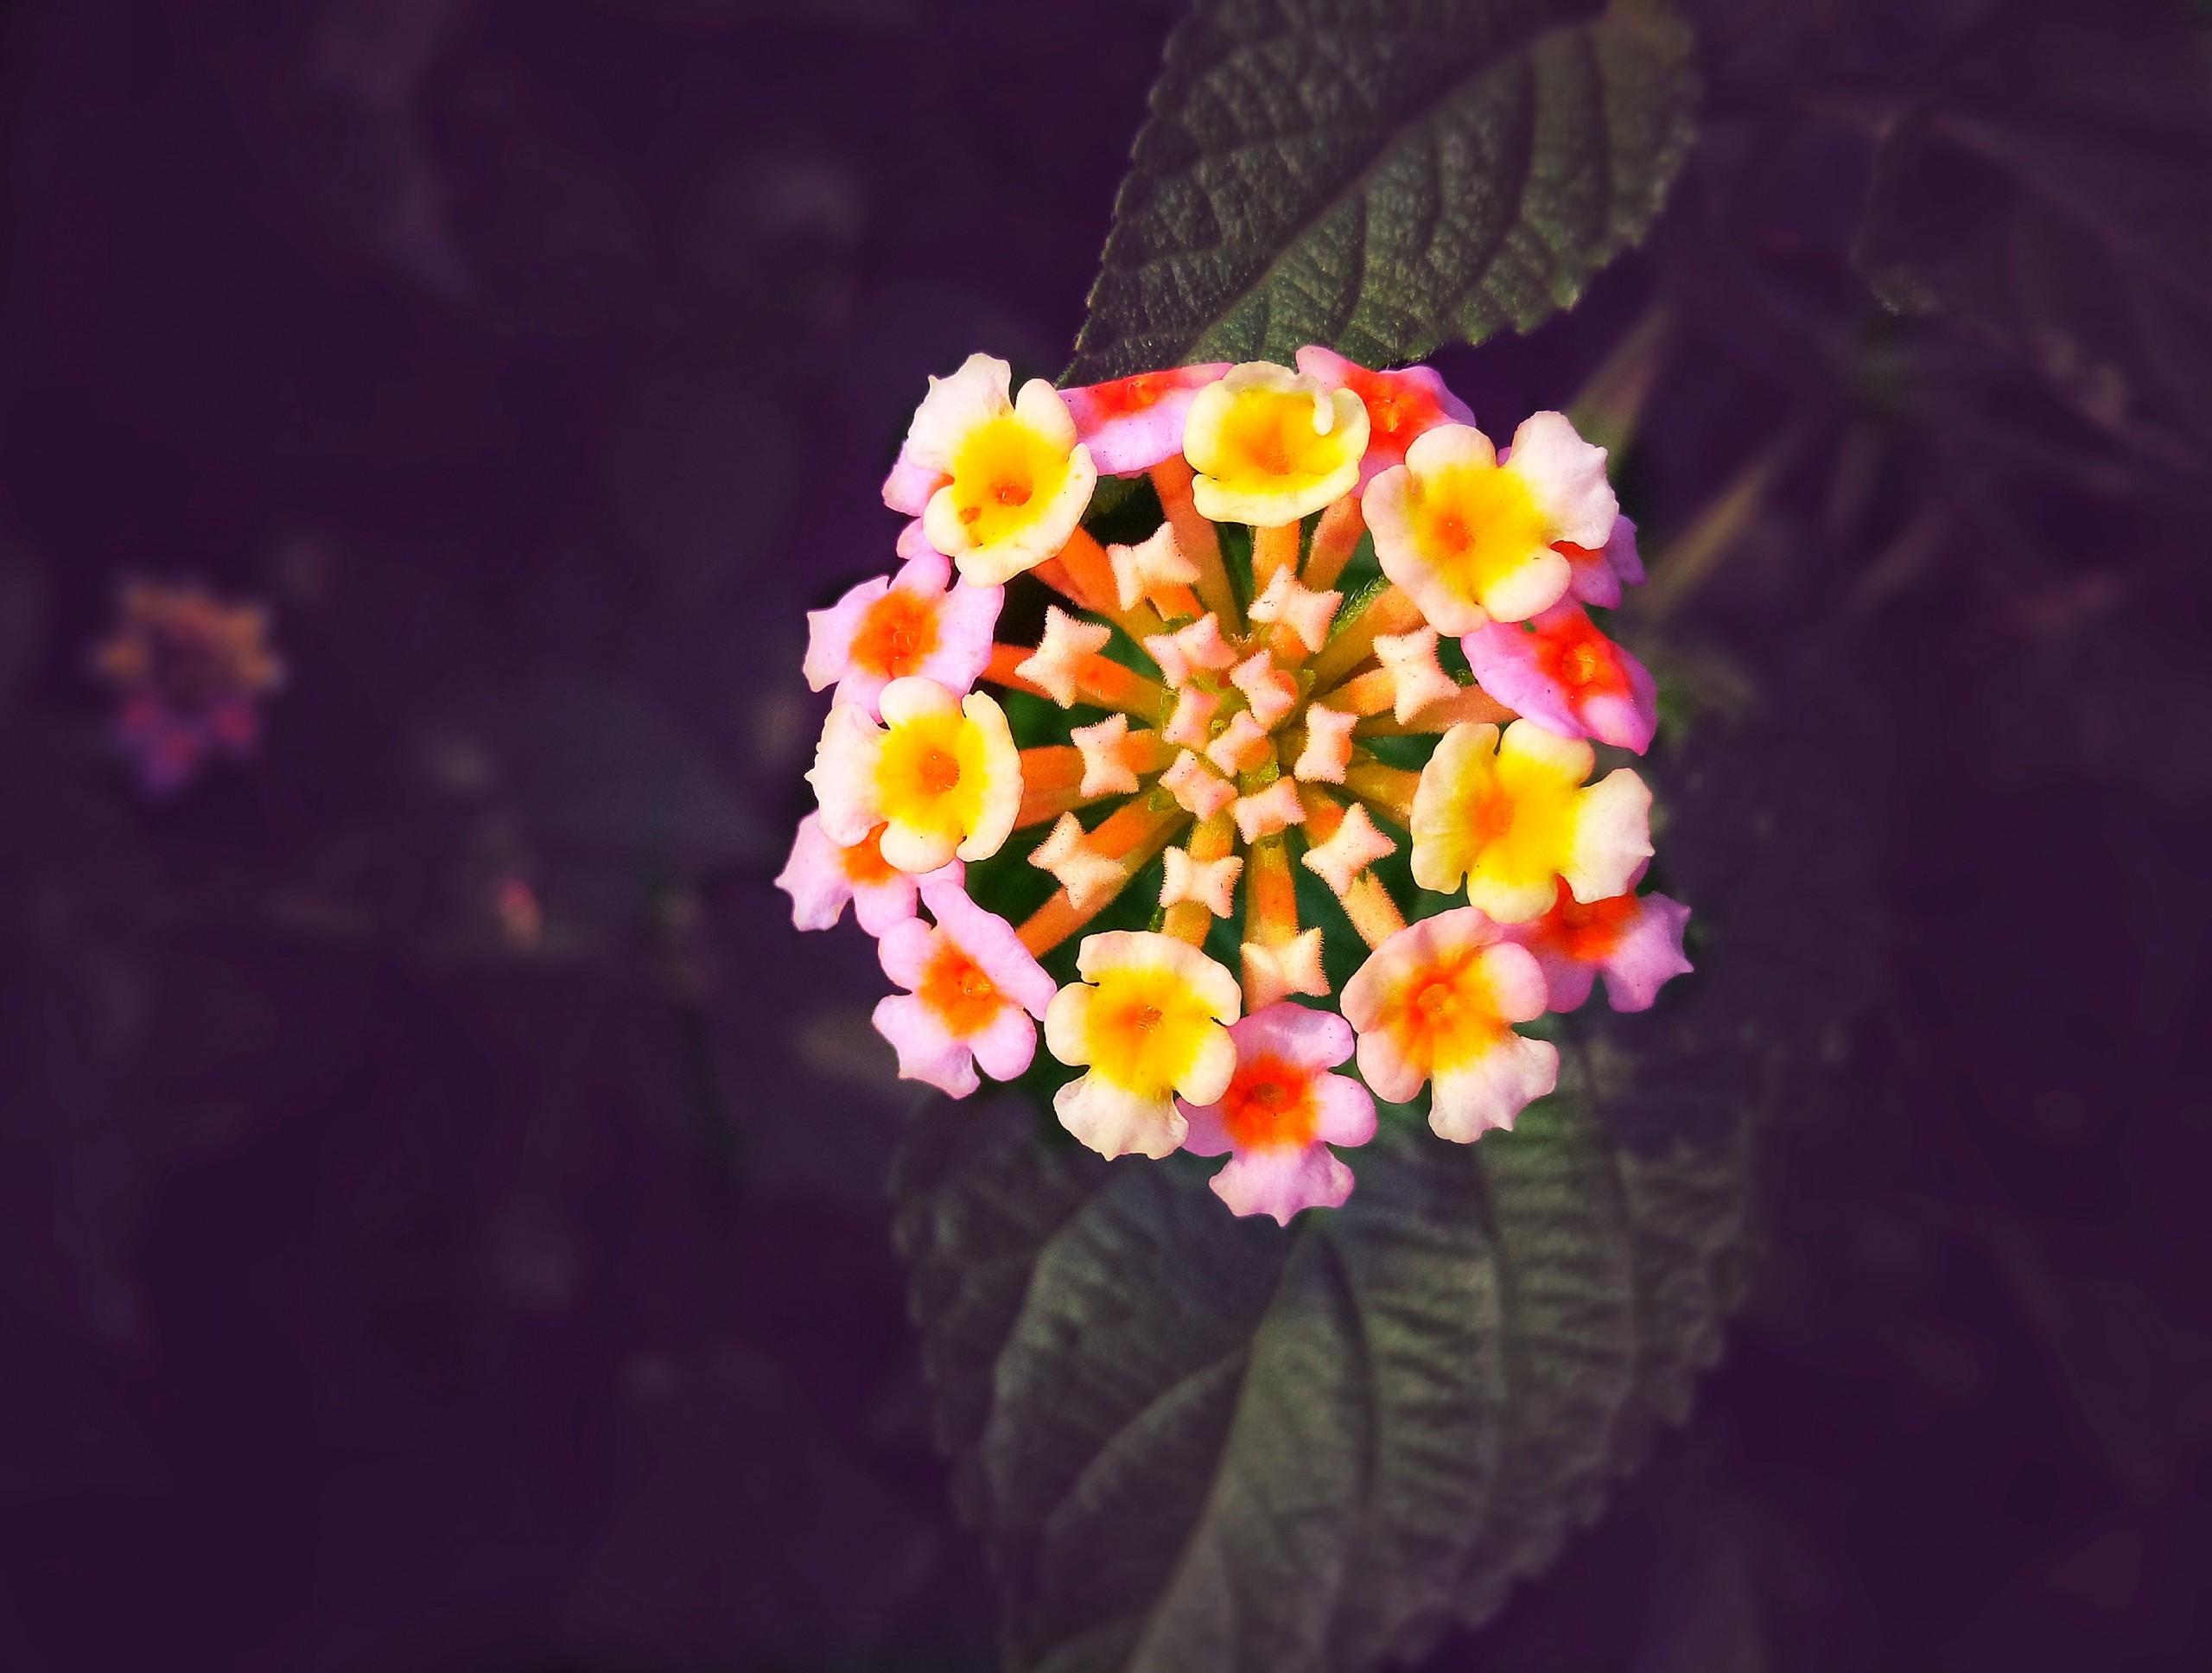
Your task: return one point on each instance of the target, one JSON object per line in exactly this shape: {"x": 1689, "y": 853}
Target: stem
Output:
{"x": 1196, "y": 540}
{"x": 1131, "y": 834}
{"x": 1391, "y": 611}
{"x": 1371, "y": 908}
{"x": 1473, "y": 703}
{"x": 1336, "y": 536}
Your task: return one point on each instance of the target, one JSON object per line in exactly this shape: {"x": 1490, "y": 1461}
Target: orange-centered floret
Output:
{"x": 1271, "y": 445}
{"x": 940, "y": 775}
{"x": 1436, "y": 1003}
{"x": 1508, "y": 812}
{"x": 1149, "y": 1020}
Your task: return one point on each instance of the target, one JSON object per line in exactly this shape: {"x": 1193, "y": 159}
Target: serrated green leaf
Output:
{"x": 2054, "y": 191}
{"x": 1380, "y": 177}
{"x": 1196, "y": 1443}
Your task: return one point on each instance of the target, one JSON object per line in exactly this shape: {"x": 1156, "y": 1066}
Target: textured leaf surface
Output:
{"x": 1196, "y": 1443}
{"x": 2056, "y": 190}
{"x": 1383, "y": 176}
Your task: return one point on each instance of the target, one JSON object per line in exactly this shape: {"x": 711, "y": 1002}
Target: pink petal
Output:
{"x": 1133, "y": 423}
{"x": 1622, "y": 553}
{"x": 926, "y": 1051}
{"x": 1279, "y": 1183}
{"x": 1626, "y": 721}
{"x": 994, "y": 944}
{"x": 910, "y": 485}
{"x": 1504, "y": 659}
{"x": 1209, "y": 1133}
{"x": 1647, "y": 955}
{"x": 814, "y": 877}
{"x": 1346, "y": 1116}
{"x": 1590, "y": 577}
{"x": 904, "y": 952}
{"x": 1567, "y": 981}
{"x": 914, "y": 540}
{"x": 1007, "y": 1047}
{"x": 879, "y": 906}
{"x": 966, "y": 622}
{"x": 829, "y": 634}
{"x": 1515, "y": 663}
{"x": 1311, "y": 1039}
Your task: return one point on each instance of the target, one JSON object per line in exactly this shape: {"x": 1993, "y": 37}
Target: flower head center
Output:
{"x": 897, "y": 635}
{"x": 938, "y": 769}
{"x": 864, "y": 863}
{"x": 1589, "y": 932}
{"x": 1269, "y": 1105}
{"x": 965, "y": 999}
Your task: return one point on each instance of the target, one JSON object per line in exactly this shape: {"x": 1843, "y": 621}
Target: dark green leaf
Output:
{"x": 1193, "y": 1441}
{"x": 1381, "y": 176}
{"x": 2055, "y": 190}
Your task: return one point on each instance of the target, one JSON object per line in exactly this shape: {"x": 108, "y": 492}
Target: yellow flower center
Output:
{"x": 1476, "y": 524}
{"x": 931, "y": 771}
{"x": 1145, "y": 1028}
{"x": 1004, "y": 466}
{"x": 1267, "y": 439}
{"x": 1448, "y": 1017}
{"x": 1520, "y": 818}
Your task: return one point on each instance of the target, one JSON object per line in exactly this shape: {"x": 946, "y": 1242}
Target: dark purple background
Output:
{"x": 374, "y": 1297}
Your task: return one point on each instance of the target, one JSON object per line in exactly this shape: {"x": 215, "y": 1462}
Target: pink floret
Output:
{"x": 1284, "y": 1054}
{"x": 1131, "y": 424}
{"x": 950, "y": 622}
{"x": 942, "y": 1039}
{"x": 1399, "y": 405}
{"x": 1560, "y": 671}
{"x": 1635, "y": 941}
{"x": 821, "y": 876}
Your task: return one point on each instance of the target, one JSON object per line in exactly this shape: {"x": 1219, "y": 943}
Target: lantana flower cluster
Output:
{"x": 1353, "y": 659}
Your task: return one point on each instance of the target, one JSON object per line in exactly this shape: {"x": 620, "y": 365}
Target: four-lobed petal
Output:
{"x": 1010, "y": 476}
{"x": 1559, "y": 670}
{"x": 919, "y": 621}
{"x": 1436, "y": 1003}
{"x": 1271, "y": 445}
{"x": 1509, "y": 814}
{"x": 1148, "y": 1023}
{"x": 1471, "y": 536}
{"x": 940, "y": 775}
